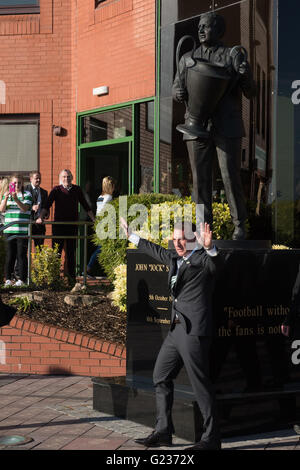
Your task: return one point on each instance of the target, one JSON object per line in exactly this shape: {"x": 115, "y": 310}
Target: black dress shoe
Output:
{"x": 203, "y": 445}
{"x": 155, "y": 439}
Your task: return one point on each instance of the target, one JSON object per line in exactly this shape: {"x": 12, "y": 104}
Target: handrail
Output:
{"x": 31, "y": 237}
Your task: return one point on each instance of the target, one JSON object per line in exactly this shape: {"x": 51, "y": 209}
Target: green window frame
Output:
{"x": 132, "y": 140}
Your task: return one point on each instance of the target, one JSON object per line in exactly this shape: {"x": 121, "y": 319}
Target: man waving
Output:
{"x": 193, "y": 270}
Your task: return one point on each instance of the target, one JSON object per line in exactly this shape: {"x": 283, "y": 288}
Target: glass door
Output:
{"x": 108, "y": 160}
{"x": 117, "y": 142}
{"x": 96, "y": 163}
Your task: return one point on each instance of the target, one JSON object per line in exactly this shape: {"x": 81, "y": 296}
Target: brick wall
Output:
{"x": 50, "y": 63}
{"x": 31, "y": 347}
{"x": 115, "y": 47}
{"x": 36, "y": 68}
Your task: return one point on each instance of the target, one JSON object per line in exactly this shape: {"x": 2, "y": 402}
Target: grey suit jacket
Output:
{"x": 44, "y": 197}
{"x": 193, "y": 291}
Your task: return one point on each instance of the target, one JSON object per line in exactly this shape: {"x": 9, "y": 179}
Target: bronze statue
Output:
{"x": 209, "y": 79}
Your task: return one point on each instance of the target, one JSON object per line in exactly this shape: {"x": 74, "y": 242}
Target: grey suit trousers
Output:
{"x": 180, "y": 349}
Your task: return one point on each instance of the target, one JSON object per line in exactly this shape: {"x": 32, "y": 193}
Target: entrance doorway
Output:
{"x": 117, "y": 142}
{"x": 96, "y": 163}
{"x": 108, "y": 160}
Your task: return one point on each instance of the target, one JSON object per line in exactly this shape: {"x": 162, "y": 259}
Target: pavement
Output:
{"x": 56, "y": 413}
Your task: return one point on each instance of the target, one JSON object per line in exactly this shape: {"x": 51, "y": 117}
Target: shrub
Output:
{"x": 119, "y": 294}
{"x": 159, "y": 206}
{"x": 23, "y": 303}
{"x": 113, "y": 252}
{"x": 222, "y": 223}
{"x": 280, "y": 247}
{"x": 46, "y": 267}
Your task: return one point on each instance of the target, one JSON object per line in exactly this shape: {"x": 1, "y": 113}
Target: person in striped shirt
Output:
{"x": 17, "y": 207}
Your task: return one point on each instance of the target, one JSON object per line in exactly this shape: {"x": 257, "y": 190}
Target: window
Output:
{"x": 262, "y": 7}
{"x": 17, "y": 7}
{"x": 258, "y": 99}
{"x": 107, "y": 125}
{"x": 19, "y": 143}
{"x": 97, "y": 2}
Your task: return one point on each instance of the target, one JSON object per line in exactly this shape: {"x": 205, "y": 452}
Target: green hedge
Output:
{"x": 113, "y": 251}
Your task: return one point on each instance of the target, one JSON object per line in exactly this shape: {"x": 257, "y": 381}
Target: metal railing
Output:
{"x": 31, "y": 237}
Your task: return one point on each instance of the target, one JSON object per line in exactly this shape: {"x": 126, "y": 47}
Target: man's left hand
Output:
{"x": 205, "y": 237}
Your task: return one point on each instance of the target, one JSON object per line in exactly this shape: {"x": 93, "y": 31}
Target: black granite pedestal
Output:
{"x": 256, "y": 381}
{"x": 116, "y": 397}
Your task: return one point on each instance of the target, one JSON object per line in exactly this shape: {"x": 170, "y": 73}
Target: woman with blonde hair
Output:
{"x": 3, "y": 186}
{"x": 108, "y": 188}
{"x": 4, "y": 183}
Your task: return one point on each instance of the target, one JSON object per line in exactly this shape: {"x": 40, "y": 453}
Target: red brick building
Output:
{"x": 53, "y": 54}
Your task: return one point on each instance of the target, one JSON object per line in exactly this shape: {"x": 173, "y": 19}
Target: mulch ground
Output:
{"x": 102, "y": 320}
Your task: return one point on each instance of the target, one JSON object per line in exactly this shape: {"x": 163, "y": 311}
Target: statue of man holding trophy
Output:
{"x": 209, "y": 80}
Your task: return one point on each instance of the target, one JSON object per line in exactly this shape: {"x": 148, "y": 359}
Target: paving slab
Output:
{"x": 57, "y": 413}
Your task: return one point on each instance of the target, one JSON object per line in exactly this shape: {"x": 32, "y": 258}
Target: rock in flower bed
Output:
{"x": 90, "y": 312}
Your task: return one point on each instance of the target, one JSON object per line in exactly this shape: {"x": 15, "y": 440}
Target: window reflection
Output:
{"x": 250, "y": 24}
{"x": 145, "y": 153}
{"x": 107, "y": 125}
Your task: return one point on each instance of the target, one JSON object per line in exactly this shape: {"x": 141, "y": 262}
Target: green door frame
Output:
{"x": 157, "y": 100}
{"x": 132, "y": 142}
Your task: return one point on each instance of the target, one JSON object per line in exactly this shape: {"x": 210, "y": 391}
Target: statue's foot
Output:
{"x": 239, "y": 233}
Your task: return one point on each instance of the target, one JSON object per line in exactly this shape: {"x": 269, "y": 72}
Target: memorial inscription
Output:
{"x": 251, "y": 360}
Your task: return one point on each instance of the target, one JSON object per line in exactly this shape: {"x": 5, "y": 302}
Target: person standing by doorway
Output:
{"x": 39, "y": 200}
{"x": 66, "y": 196}
{"x": 108, "y": 188}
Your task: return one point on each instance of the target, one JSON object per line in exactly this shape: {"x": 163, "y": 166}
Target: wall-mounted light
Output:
{"x": 57, "y": 130}
{"x": 60, "y": 131}
{"x": 101, "y": 90}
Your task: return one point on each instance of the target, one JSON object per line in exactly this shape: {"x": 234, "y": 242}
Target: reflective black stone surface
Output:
{"x": 254, "y": 367}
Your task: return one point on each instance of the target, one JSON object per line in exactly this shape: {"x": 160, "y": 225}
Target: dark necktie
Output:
{"x": 174, "y": 278}
{"x": 35, "y": 195}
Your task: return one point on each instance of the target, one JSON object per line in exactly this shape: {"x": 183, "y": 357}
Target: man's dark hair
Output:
{"x": 36, "y": 172}
{"x": 217, "y": 21}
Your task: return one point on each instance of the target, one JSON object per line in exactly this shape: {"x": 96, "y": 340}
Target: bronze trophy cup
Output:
{"x": 206, "y": 85}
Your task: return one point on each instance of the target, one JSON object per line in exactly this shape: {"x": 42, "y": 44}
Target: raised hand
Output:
{"x": 124, "y": 226}
{"x": 205, "y": 236}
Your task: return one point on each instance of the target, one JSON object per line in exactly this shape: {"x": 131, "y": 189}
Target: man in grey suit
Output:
{"x": 39, "y": 199}
{"x": 226, "y": 125}
{"x": 191, "y": 280}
